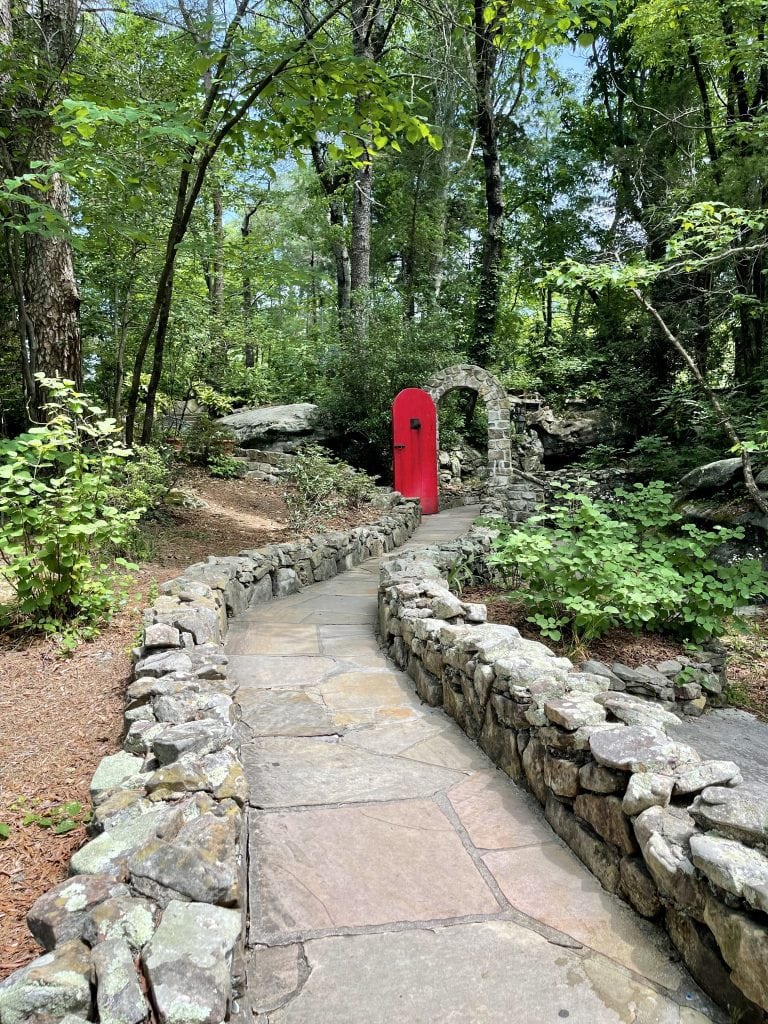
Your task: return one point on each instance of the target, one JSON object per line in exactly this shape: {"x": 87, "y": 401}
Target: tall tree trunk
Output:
{"x": 52, "y": 295}
{"x": 332, "y": 182}
{"x": 217, "y": 276}
{"x": 245, "y": 233}
{"x": 157, "y": 363}
{"x": 360, "y": 262}
{"x": 341, "y": 259}
{"x": 489, "y": 277}
{"x": 370, "y": 31}
{"x": 47, "y": 295}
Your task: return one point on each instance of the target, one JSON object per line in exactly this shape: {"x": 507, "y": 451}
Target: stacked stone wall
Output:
{"x": 150, "y": 923}
{"x": 683, "y": 840}
{"x": 475, "y": 378}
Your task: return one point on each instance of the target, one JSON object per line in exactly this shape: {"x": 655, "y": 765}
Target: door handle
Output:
{"x": 399, "y": 446}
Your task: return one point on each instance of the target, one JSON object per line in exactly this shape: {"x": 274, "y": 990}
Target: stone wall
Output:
{"x": 153, "y": 910}
{"x": 683, "y": 840}
{"x": 475, "y": 378}
{"x": 257, "y": 464}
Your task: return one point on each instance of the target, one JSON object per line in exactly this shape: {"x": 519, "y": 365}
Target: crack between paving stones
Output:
{"x": 413, "y": 760}
{"x": 445, "y": 805}
{"x": 304, "y": 970}
{"x": 336, "y": 805}
{"x": 512, "y": 916}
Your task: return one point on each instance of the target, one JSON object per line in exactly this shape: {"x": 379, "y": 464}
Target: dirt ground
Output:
{"x": 60, "y": 715}
{"x": 746, "y": 642}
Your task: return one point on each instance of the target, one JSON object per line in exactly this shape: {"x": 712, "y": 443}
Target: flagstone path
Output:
{"x": 396, "y": 877}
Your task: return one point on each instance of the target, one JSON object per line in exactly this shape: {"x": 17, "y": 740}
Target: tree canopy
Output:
{"x": 258, "y": 201}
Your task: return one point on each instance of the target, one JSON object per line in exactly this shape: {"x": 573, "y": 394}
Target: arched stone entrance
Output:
{"x": 497, "y": 404}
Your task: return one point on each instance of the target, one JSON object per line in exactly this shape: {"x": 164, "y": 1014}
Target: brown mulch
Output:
{"x": 617, "y": 645}
{"x": 747, "y": 665}
{"x": 58, "y": 718}
{"x": 240, "y": 514}
{"x": 60, "y": 715}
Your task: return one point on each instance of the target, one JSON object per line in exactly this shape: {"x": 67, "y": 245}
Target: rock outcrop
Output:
{"x": 276, "y": 427}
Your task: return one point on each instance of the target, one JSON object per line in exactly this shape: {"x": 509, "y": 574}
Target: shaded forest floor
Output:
{"x": 747, "y": 666}
{"x": 60, "y": 715}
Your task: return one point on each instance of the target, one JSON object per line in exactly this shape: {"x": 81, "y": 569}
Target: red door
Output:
{"x": 414, "y": 429}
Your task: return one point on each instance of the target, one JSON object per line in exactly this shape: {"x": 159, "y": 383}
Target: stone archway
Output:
{"x": 497, "y": 404}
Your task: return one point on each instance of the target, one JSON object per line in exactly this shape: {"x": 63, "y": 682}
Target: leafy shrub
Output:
{"x": 591, "y": 565}
{"x": 217, "y": 402}
{"x": 224, "y": 467}
{"x": 204, "y": 442}
{"x": 55, "y": 512}
{"x": 142, "y": 481}
{"x": 323, "y": 487}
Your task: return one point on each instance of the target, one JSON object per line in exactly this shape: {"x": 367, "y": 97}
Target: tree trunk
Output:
{"x": 489, "y": 279}
{"x": 157, "y": 364}
{"x": 749, "y": 340}
{"x": 341, "y": 259}
{"x": 360, "y": 268}
{"x": 370, "y": 31}
{"x": 48, "y": 298}
{"x": 217, "y": 276}
{"x": 52, "y": 295}
{"x": 332, "y": 184}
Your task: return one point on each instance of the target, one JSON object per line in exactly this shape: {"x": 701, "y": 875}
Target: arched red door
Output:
{"x": 414, "y": 431}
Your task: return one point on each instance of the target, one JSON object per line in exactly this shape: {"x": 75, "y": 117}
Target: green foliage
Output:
{"x": 652, "y": 456}
{"x": 55, "y": 515}
{"x": 205, "y": 443}
{"x": 590, "y": 565}
{"x": 365, "y": 374}
{"x": 58, "y": 818}
{"x": 224, "y": 467}
{"x": 460, "y": 573}
{"x": 323, "y": 487}
{"x": 215, "y": 401}
{"x": 142, "y": 481}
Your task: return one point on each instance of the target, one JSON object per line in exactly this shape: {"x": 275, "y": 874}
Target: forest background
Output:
{"x": 254, "y": 203}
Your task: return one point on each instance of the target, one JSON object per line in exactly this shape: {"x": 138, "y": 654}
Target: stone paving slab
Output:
{"x": 250, "y": 671}
{"x": 549, "y": 883}
{"x": 498, "y": 816}
{"x": 326, "y": 609}
{"x": 428, "y": 736}
{"x": 354, "y": 866}
{"x": 487, "y": 973}
{"x": 285, "y": 712}
{"x": 288, "y": 772}
{"x": 245, "y": 638}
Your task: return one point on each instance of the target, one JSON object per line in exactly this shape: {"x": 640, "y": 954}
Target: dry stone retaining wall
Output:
{"x": 154, "y": 905}
{"x": 683, "y": 840}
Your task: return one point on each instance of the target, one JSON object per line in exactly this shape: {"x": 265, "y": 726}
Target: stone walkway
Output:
{"x": 396, "y": 877}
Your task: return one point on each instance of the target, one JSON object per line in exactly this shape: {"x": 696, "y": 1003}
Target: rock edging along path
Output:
{"x": 684, "y": 840}
{"x": 395, "y": 874}
{"x": 154, "y": 908}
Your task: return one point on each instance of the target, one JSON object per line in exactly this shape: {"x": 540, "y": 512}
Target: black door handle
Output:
{"x": 399, "y": 446}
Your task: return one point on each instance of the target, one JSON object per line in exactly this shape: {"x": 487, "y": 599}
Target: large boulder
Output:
{"x": 711, "y": 477}
{"x": 276, "y": 427}
{"x": 568, "y": 435}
